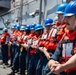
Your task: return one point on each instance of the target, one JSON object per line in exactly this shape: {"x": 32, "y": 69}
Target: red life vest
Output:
{"x": 30, "y": 38}
{"x": 3, "y": 37}
{"x": 55, "y": 36}
{"x": 43, "y": 40}
{"x": 35, "y": 43}
{"x": 68, "y": 44}
{"x": 13, "y": 36}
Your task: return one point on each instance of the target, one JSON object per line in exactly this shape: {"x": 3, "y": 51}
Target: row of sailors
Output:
{"x": 31, "y": 47}
{"x": 25, "y": 40}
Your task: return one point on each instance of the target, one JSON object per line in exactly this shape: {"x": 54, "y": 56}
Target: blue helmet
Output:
{"x": 32, "y": 26}
{"x": 70, "y": 9}
{"x": 38, "y": 27}
{"x": 27, "y": 27}
{"x": 61, "y": 8}
{"x": 22, "y": 28}
{"x": 48, "y": 21}
{"x": 13, "y": 26}
{"x": 18, "y": 26}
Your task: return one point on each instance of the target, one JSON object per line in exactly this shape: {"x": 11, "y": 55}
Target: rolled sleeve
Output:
{"x": 56, "y": 54}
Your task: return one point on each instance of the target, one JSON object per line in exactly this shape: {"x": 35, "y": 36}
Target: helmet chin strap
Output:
{"x": 74, "y": 25}
{"x": 63, "y": 19}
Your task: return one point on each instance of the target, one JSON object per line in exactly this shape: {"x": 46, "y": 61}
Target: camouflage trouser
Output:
{"x": 40, "y": 69}
{"x": 22, "y": 62}
{"x": 28, "y": 57}
{"x": 46, "y": 70}
{"x": 33, "y": 64}
{"x": 4, "y": 50}
{"x": 15, "y": 64}
{"x": 13, "y": 50}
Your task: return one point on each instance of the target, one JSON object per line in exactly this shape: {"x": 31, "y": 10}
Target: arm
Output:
{"x": 24, "y": 45}
{"x": 56, "y": 54}
{"x": 69, "y": 64}
{"x": 47, "y": 54}
{"x": 54, "y": 57}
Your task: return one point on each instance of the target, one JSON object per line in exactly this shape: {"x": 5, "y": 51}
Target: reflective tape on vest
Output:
{"x": 29, "y": 41}
{"x": 44, "y": 36}
{"x": 54, "y": 33}
{"x": 67, "y": 49}
{"x": 35, "y": 42}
